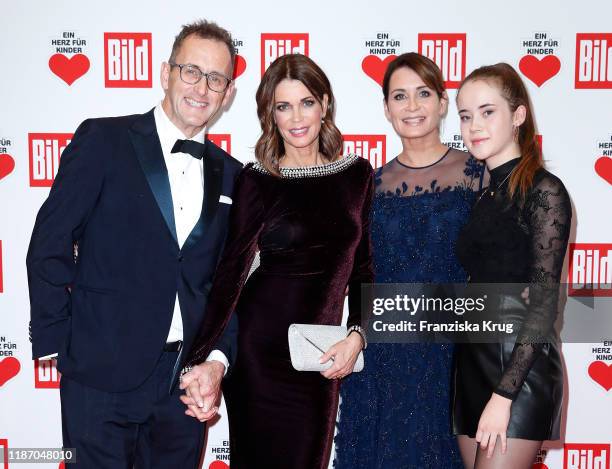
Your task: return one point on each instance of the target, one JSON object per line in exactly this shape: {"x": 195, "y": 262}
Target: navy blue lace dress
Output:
{"x": 396, "y": 412}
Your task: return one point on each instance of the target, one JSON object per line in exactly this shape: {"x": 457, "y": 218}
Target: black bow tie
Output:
{"x": 195, "y": 149}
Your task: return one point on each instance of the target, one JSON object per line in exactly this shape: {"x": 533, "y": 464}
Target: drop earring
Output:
{"x": 515, "y": 132}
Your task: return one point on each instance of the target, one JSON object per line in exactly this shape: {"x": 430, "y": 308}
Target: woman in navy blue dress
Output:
{"x": 396, "y": 413}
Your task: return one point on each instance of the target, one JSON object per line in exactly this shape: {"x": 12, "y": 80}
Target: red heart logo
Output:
{"x": 603, "y": 167}
{"x": 601, "y": 373}
{"x": 218, "y": 465}
{"x": 9, "y": 367}
{"x": 7, "y": 164}
{"x": 69, "y": 69}
{"x": 375, "y": 68}
{"x": 540, "y": 71}
{"x": 539, "y": 465}
{"x": 62, "y": 465}
{"x": 239, "y": 66}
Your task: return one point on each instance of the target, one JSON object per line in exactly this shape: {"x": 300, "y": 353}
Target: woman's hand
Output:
{"x": 493, "y": 423}
{"x": 344, "y": 354}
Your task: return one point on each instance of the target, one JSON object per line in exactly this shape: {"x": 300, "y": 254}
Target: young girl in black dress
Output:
{"x": 517, "y": 234}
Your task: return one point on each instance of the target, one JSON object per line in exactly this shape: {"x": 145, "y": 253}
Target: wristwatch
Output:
{"x": 357, "y": 328}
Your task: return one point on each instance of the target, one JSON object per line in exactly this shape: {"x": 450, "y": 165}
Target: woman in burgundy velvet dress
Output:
{"x": 306, "y": 208}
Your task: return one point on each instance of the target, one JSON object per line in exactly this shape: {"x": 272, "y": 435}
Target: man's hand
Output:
{"x": 202, "y": 387}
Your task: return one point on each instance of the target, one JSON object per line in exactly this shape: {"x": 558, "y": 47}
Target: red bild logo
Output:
{"x": 448, "y": 52}
{"x": 273, "y": 45}
{"x": 223, "y": 141}
{"x": 46, "y": 375}
{"x": 45, "y": 150}
{"x": 593, "y": 60}
{"x": 370, "y": 147}
{"x": 586, "y": 456}
{"x": 590, "y": 270}
{"x": 127, "y": 60}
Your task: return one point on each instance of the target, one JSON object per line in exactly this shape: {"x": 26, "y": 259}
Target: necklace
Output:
{"x": 492, "y": 191}
{"x": 501, "y": 183}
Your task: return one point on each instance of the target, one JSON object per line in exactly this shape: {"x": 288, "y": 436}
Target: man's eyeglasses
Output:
{"x": 191, "y": 74}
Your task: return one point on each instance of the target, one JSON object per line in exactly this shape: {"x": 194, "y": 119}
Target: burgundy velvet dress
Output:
{"x": 311, "y": 226}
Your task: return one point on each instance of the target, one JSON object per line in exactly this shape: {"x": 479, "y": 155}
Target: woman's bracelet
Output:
{"x": 184, "y": 371}
{"x": 361, "y": 332}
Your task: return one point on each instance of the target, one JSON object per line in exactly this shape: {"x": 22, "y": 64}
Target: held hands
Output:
{"x": 202, "y": 387}
{"x": 493, "y": 423}
{"x": 344, "y": 355}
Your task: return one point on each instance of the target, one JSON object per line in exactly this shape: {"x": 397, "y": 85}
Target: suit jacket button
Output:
{"x": 180, "y": 258}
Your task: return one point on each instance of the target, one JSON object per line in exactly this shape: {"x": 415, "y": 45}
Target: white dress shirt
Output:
{"x": 186, "y": 176}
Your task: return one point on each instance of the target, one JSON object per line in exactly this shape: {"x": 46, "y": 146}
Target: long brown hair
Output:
{"x": 514, "y": 91}
{"x": 270, "y": 146}
{"x": 424, "y": 67}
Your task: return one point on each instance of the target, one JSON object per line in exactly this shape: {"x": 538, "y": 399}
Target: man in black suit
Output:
{"x": 145, "y": 198}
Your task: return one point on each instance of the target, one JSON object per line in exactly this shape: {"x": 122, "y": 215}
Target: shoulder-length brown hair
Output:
{"x": 514, "y": 91}
{"x": 270, "y": 146}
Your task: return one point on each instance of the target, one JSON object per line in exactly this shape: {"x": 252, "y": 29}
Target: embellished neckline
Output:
{"x": 423, "y": 167}
{"x": 319, "y": 170}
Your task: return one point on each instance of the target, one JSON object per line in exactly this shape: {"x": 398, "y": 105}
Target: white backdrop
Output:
{"x": 54, "y": 76}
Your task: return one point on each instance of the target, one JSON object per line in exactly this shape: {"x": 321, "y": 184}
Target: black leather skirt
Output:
{"x": 536, "y": 412}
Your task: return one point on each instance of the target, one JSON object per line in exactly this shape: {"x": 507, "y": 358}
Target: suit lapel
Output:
{"x": 149, "y": 153}
{"x": 213, "y": 181}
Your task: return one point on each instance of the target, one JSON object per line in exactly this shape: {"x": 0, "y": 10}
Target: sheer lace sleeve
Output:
{"x": 548, "y": 214}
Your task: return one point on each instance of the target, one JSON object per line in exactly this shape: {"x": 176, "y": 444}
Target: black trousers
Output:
{"x": 144, "y": 428}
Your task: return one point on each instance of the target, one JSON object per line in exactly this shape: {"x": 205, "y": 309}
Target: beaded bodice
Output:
{"x": 325, "y": 169}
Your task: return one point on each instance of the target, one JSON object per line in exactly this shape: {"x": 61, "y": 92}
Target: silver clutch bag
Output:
{"x": 308, "y": 343}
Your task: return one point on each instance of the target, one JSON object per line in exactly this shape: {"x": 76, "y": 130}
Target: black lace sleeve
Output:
{"x": 547, "y": 213}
